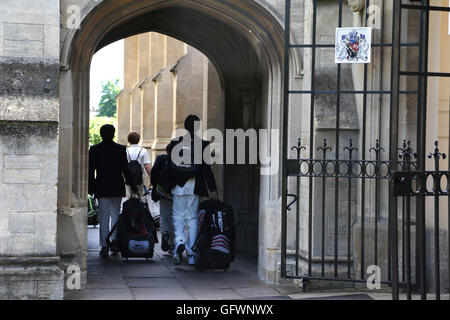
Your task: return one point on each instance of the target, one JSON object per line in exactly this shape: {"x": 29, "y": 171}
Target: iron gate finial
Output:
{"x": 377, "y": 148}
{"x": 437, "y": 155}
{"x": 325, "y": 148}
{"x": 298, "y": 147}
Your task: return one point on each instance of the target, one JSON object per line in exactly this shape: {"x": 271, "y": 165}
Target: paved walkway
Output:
{"x": 159, "y": 279}
{"x": 116, "y": 278}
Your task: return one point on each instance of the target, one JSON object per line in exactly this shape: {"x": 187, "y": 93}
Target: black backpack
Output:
{"x": 158, "y": 173}
{"x": 184, "y": 170}
{"x": 136, "y": 230}
{"x": 214, "y": 245}
{"x": 135, "y": 169}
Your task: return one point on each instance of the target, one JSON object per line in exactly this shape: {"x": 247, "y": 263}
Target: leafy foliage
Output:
{"x": 108, "y": 104}
{"x": 94, "y": 128}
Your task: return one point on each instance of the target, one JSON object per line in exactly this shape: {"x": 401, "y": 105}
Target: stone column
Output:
{"x": 124, "y": 99}
{"x": 158, "y": 59}
{"x": 215, "y": 115}
{"x": 141, "y": 59}
{"x": 143, "y": 70}
{"x": 164, "y": 105}
{"x": 437, "y": 129}
{"x": 136, "y": 109}
{"x": 175, "y": 50}
{"x": 148, "y": 99}
{"x": 123, "y": 115}
{"x": 190, "y": 90}
{"x": 148, "y": 116}
{"x": 144, "y": 56}
{"x": 29, "y": 134}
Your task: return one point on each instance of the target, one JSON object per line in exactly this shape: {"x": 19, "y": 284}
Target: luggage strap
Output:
{"x": 108, "y": 238}
{"x": 129, "y": 155}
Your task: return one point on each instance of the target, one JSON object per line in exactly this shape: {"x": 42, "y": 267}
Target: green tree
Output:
{"x": 108, "y": 104}
{"x": 94, "y": 128}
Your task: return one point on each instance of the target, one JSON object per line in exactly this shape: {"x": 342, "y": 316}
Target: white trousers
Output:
{"x": 185, "y": 213}
{"x": 109, "y": 211}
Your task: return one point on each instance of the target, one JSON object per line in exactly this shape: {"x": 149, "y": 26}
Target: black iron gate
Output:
{"x": 343, "y": 192}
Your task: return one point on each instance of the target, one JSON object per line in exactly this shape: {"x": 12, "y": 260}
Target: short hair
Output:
{"x": 107, "y": 132}
{"x": 189, "y": 123}
{"x": 134, "y": 137}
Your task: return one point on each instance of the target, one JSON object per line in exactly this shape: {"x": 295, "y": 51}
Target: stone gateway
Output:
{"x": 46, "y": 48}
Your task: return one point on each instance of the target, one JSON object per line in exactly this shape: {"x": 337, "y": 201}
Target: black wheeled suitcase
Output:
{"x": 214, "y": 245}
{"x": 136, "y": 231}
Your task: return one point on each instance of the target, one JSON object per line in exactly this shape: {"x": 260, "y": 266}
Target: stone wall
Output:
{"x": 29, "y": 114}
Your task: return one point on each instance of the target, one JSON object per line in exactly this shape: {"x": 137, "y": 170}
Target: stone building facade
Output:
{"x": 46, "y": 47}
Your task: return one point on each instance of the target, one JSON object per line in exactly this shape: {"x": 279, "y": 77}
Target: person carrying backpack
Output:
{"x": 165, "y": 206}
{"x": 190, "y": 180}
{"x": 138, "y": 162}
{"x": 107, "y": 171}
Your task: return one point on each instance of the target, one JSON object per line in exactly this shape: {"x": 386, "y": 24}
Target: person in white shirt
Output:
{"x": 136, "y": 152}
{"x": 186, "y": 191}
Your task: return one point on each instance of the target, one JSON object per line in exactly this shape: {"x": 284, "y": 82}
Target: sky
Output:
{"x": 107, "y": 64}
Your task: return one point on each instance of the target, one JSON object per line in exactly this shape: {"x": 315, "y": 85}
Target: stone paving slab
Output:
{"x": 161, "y": 294}
{"x": 256, "y": 291}
{"x": 152, "y": 282}
{"x": 214, "y": 294}
{"x": 286, "y": 289}
{"x": 145, "y": 270}
{"x": 270, "y": 298}
{"x": 100, "y": 294}
{"x": 204, "y": 283}
{"x": 243, "y": 282}
{"x": 343, "y": 297}
{"x": 106, "y": 282}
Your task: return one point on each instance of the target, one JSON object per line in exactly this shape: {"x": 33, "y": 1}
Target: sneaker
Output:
{"x": 104, "y": 252}
{"x": 165, "y": 242}
{"x": 178, "y": 256}
{"x": 192, "y": 260}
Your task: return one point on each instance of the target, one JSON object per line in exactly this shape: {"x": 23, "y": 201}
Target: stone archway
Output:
{"x": 245, "y": 43}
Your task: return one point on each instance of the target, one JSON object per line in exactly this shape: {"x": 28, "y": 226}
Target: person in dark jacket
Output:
{"x": 107, "y": 170}
{"x": 187, "y": 189}
{"x": 165, "y": 205}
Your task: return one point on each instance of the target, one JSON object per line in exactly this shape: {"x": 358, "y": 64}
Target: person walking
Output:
{"x": 190, "y": 182}
{"x": 139, "y": 154}
{"x": 107, "y": 170}
{"x": 165, "y": 205}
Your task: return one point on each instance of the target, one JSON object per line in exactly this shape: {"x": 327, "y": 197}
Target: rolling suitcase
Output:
{"x": 136, "y": 231}
{"x": 214, "y": 245}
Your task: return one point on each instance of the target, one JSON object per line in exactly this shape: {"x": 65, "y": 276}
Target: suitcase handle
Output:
{"x": 108, "y": 238}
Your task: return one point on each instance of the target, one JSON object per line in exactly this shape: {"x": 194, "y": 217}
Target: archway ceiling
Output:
{"x": 232, "y": 53}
